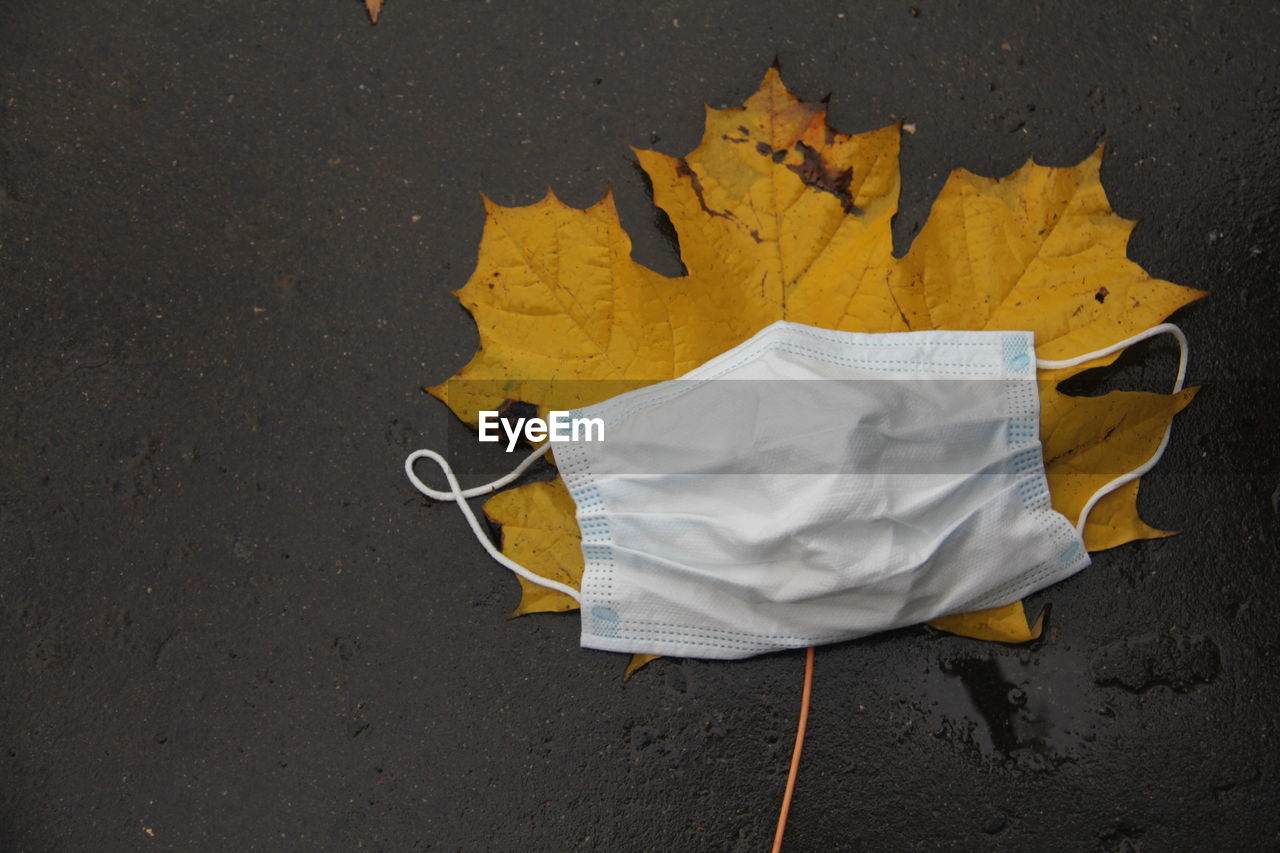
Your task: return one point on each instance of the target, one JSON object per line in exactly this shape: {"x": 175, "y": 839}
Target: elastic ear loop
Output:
{"x": 1162, "y": 329}
{"x": 458, "y": 495}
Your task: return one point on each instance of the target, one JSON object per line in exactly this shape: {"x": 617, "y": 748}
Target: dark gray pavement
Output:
{"x": 227, "y": 623}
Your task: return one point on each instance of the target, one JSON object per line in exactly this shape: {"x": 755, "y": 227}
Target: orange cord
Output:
{"x": 795, "y": 753}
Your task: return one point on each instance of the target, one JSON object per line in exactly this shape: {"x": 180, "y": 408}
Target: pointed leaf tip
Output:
{"x": 773, "y": 80}
{"x": 637, "y": 663}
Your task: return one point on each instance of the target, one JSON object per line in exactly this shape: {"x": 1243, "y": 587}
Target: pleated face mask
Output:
{"x": 810, "y": 486}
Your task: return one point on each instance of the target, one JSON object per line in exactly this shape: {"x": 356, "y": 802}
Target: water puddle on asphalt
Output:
{"x": 1019, "y": 708}
{"x": 1037, "y": 707}
{"x": 1022, "y": 709}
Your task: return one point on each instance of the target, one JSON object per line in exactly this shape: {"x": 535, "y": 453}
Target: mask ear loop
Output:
{"x": 459, "y": 496}
{"x": 1162, "y": 329}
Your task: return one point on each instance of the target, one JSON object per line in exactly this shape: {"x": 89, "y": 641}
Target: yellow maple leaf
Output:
{"x": 781, "y": 217}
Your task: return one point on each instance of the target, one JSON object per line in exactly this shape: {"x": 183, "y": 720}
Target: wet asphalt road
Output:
{"x": 228, "y": 233}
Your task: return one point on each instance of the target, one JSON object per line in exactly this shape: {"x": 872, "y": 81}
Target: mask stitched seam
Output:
{"x": 836, "y": 337}
{"x": 1030, "y": 582}
{"x": 650, "y": 633}
{"x": 685, "y": 643}
{"x": 623, "y": 634}
{"x": 616, "y": 418}
{"x": 1033, "y": 489}
{"x": 764, "y": 344}
{"x": 598, "y": 564}
{"x": 720, "y": 630}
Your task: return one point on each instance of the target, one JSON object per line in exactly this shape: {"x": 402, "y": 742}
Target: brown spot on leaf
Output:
{"x": 1102, "y": 294}
{"x": 744, "y": 130}
{"x": 727, "y": 138}
{"x": 755, "y": 235}
{"x": 683, "y": 170}
{"x": 513, "y": 411}
{"x": 901, "y": 313}
{"x": 815, "y": 173}
{"x": 765, "y": 151}
{"x": 517, "y": 409}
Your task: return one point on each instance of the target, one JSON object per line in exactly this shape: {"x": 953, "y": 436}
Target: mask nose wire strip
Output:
{"x": 459, "y": 496}
{"x": 795, "y": 753}
{"x": 1162, "y": 329}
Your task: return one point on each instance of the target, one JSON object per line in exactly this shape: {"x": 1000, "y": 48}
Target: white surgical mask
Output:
{"x": 811, "y": 486}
